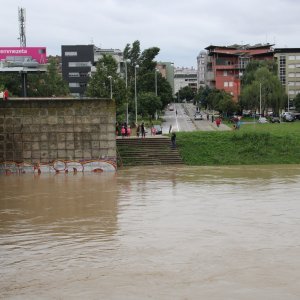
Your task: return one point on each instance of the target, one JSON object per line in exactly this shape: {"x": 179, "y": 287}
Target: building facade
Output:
{"x": 185, "y": 77}
{"x": 288, "y": 61}
{"x": 166, "y": 69}
{"x": 79, "y": 62}
{"x": 201, "y": 68}
{"x": 225, "y": 65}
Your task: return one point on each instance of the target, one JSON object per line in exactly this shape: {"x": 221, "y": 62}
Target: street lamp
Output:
{"x": 260, "y": 99}
{"x": 126, "y": 82}
{"x": 135, "y": 92}
{"x": 110, "y": 80}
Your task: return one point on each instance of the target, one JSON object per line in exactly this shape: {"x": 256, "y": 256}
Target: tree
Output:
{"x": 297, "y": 102}
{"x": 264, "y": 91}
{"x": 99, "y": 84}
{"x": 145, "y": 76}
{"x": 185, "y": 93}
{"x": 47, "y": 84}
{"x": 149, "y": 103}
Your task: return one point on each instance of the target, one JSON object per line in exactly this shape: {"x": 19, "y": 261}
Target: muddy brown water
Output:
{"x": 152, "y": 233}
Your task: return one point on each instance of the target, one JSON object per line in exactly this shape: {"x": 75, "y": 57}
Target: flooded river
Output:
{"x": 152, "y": 233}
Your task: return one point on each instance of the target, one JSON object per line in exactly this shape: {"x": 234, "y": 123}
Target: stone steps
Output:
{"x": 147, "y": 151}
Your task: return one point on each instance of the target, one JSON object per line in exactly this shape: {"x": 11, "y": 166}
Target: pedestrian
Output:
{"x": 212, "y": 118}
{"x": 128, "y": 131}
{"x": 218, "y": 122}
{"x": 117, "y": 128}
{"x": 143, "y": 130}
{"x": 170, "y": 128}
{"x": 123, "y": 131}
{"x": 176, "y": 112}
{"x": 173, "y": 140}
{"x": 138, "y": 130}
{"x": 207, "y": 117}
{"x": 5, "y": 95}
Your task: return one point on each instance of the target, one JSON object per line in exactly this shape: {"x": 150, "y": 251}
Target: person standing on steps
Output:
{"x": 173, "y": 140}
{"x": 143, "y": 130}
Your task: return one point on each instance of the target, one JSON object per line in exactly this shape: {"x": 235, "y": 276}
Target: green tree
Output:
{"x": 263, "y": 91}
{"x": 100, "y": 83}
{"x": 185, "y": 93}
{"x": 48, "y": 84}
{"x": 148, "y": 104}
{"x": 297, "y": 102}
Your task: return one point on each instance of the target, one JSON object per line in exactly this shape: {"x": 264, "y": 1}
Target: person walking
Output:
{"x": 173, "y": 140}
{"x": 218, "y": 121}
{"x": 143, "y": 130}
{"x": 5, "y": 95}
{"x": 170, "y": 128}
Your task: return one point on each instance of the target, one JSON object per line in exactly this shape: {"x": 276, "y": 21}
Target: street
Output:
{"x": 184, "y": 120}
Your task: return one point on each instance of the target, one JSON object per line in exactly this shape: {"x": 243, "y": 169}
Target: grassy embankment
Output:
{"x": 253, "y": 144}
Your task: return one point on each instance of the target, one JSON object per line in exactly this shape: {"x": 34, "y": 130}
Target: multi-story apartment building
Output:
{"x": 185, "y": 77}
{"x": 201, "y": 68}
{"x": 225, "y": 65}
{"x": 79, "y": 62}
{"x": 166, "y": 69}
{"x": 288, "y": 61}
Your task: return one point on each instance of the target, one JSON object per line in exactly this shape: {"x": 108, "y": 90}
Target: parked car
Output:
{"x": 288, "y": 117}
{"x": 262, "y": 120}
{"x": 198, "y": 116}
{"x": 158, "y": 129}
{"x": 275, "y": 120}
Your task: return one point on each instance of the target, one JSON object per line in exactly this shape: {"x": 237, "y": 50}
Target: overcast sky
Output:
{"x": 181, "y": 29}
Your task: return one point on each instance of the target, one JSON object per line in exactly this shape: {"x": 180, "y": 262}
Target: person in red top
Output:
{"x": 5, "y": 95}
{"x": 218, "y": 121}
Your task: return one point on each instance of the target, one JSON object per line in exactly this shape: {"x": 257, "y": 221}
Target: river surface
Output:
{"x": 152, "y": 233}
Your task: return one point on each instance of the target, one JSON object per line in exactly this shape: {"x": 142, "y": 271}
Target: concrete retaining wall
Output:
{"x": 45, "y": 130}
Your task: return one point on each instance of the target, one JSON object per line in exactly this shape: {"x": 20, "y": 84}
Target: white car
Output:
{"x": 262, "y": 120}
{"x": 198, "y": 116}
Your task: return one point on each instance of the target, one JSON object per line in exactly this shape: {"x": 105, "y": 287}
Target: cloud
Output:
{"x": 181, "y": 29}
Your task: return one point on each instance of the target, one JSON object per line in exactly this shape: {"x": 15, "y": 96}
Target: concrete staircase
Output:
{"x": 147, "y": 151}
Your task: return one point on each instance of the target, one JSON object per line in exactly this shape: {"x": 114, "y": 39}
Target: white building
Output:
{"x": 185, "y": 77}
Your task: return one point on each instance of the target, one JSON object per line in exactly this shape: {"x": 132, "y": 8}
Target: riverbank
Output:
{"x": 253, "y": 144}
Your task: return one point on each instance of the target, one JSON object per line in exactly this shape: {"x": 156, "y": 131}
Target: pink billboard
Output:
{"x": 37, "y": 54}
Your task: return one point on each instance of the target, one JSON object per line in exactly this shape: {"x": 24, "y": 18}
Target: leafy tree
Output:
{"x": 47, "y": 84}
{"x": 148, "y": 104}
{"x": 202, "y": 95}
{"x": 11, "y": 81}
{"x": 221, "y": 101}
{"x": 268, "y": 85}
{"x": 297, "y": 102}
{"x": 99, "y": 84}
{"x": 185, "y": 93}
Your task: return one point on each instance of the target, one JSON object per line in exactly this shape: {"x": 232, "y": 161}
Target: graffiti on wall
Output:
{"x": 58, "y": 166}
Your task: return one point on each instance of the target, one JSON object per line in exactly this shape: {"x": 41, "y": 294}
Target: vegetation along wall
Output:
{"x": 57, "y": 134}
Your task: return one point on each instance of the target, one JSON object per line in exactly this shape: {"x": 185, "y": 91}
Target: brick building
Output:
{"x": 225, "y": 65}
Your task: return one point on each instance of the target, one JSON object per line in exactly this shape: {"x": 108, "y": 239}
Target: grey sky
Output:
{"x": 179, "y": 28}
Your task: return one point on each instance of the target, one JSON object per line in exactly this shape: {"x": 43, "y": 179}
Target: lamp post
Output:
{"x": 110, "y": 80}
{"x": 126, "y": 82}
{"x": 260, "y": 98}
{"x": 288, "y": 92}
{"x": 135, "y": 92}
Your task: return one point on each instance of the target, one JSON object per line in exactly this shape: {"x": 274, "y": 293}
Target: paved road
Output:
{"x": 184, "y": 120}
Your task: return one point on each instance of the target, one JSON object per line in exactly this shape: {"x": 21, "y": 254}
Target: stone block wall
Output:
{"x": 44, "y": 130}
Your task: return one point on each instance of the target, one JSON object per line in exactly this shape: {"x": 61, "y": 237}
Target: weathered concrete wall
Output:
{"x": 44, "y": 130}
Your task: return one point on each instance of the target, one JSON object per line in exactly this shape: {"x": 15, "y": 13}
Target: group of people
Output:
{"x": 5, "y": 94}
{"x": 123, "y": 129}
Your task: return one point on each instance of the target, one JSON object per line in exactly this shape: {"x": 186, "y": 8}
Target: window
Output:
{"x": 80, "y": 64}
{"x": 74, "y": 84}
{"x": 291, "y": 75}
{"x": 225, "y": 73}
{"x": 231, "y": 84}
{"x": 292, "y": 57}
{"x": 71, "y": 53}
{"x": 291, "y": 66}
{"x": 73, "y": 74}
{"x": 225, "y": 84}
{"x": 297, "y": 74}
{"x": 298, "y": 57}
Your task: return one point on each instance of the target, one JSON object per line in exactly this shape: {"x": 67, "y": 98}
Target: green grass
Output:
{"x": 251, "y": 145}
